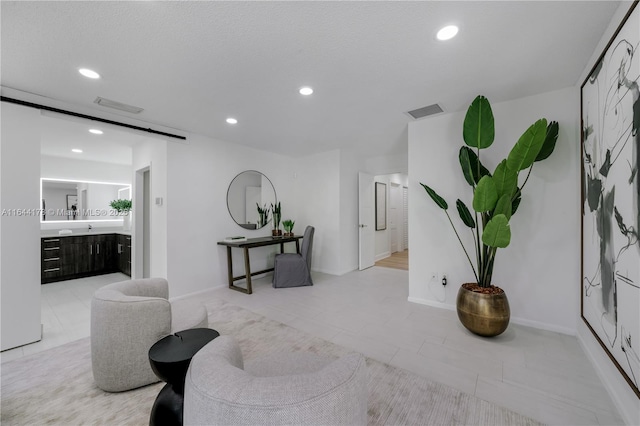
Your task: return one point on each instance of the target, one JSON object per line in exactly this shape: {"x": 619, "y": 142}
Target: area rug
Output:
{"x": 56, "y": 387}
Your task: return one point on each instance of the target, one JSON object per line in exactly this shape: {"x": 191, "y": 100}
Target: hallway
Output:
{"x": 398, "y": 260}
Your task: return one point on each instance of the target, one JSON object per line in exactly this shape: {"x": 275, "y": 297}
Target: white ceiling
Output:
{"x": 190, "y": 65}
{"x": 60, "y": 135}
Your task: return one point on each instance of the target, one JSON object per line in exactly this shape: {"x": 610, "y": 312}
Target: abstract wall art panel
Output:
{"x": 610, "y": 286}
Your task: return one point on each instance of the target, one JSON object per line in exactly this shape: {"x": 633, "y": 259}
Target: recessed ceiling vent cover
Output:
{"x": 118, "y": 105}
{"x": 425, "y": 111}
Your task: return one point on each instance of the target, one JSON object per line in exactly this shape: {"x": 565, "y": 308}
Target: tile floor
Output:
{"x": 540, "y": 374}
{"x": 66, "y": 309}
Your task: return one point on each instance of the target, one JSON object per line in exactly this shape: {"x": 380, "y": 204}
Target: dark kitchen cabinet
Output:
{"x": 123, "y": 248}
{"x": 68, "y": 257}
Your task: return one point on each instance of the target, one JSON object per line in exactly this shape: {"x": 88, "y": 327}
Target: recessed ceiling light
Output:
{"x": 76, "y": 150}
{"x": 96, "y": 131}
{"x": 231, "y": 120}
{"x": 447, "y": 32}
{"x": 306, "y": 91}
{"x": 89, "y": 73}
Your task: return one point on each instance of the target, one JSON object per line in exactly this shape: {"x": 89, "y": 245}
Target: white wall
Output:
{"x": 152, "y": 154}
{"x": 621, "y": 393}
{"x": 20, "y": 235}
{"x": 390, "y": 164}
{"x": 198, "y": 176}
{"x": 541, "y": 268}
{"x": 317, "y": 192}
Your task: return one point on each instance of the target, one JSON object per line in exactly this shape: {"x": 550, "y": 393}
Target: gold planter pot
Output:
{"x": 483, "y": 314}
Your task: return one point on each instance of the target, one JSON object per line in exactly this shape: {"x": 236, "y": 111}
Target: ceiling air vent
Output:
{"x": 425, "y": 111}
{"x": 118, "y": 105}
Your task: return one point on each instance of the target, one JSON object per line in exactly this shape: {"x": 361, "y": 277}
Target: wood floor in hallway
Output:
{"x": 398, "y": 260}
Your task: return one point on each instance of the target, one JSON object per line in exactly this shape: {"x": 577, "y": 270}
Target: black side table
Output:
{"x": 170, "y": 358}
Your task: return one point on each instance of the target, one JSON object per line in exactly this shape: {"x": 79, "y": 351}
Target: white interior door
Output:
{"x": 366, "y": 220}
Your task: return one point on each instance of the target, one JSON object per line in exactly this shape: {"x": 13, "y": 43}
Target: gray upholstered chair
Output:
{"x": 293, "y": 269}
{"x": 127, "y": 318}
{"x": 279, "y": 389}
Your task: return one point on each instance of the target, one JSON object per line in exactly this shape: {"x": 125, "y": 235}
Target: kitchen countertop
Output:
{"x": 82, "y": 231}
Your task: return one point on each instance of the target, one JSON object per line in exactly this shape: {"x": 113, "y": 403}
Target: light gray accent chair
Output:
{"x": 293, "y": 269}
{"x": 127, "y": 318}
{"x": 280, "y": 389}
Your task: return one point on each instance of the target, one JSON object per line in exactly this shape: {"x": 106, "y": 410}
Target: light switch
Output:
{"x": 158, "y": 201}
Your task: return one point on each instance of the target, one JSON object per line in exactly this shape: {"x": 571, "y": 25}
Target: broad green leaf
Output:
{"x": 525, "y": 151}
{"x": 485, "y": 195}
{"x": 506, "y": 179}
{"x": 478, "y": 129}
{"x": 435, "y": 197}
{"x": 477, "y": 168}
{"x": 503, "y": 206}
{"x": 465, "y": 214}
{"x": 549, "y": 142}
{"x": 466, "y": 165}
{"x": 497, "y": 233}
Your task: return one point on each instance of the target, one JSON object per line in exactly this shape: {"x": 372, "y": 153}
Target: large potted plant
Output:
{"x": 482, "y": 307}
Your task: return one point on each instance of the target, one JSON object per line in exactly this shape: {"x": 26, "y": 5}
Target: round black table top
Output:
{"x": 181, "y": 346}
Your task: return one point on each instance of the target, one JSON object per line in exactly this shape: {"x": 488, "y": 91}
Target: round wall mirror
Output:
{"x": 249, "y": 199}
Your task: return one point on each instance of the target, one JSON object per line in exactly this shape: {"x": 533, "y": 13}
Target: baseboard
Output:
{"x": 543, "y": 326}
{"x": 335, "y": 272}
{"x": 514, "y": 320}
{"x": 432, "y": 303}
{"x": 383, "y": 255}
{"x": 612, "y": 388}
{"x": 196, "y": 293}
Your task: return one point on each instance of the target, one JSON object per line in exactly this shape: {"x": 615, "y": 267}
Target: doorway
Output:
{"x": 392, "y": 243}
{"x": 142, "y": 224}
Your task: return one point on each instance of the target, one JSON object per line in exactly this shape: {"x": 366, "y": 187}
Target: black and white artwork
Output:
{"x": 611, "y": 199}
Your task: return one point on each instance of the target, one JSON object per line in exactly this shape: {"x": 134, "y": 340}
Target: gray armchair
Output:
{"x": 279, "y": 389}
{"x": 293, "y": 269}
{"x": 127, "y": 318}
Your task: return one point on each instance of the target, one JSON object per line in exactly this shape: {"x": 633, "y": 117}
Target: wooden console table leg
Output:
{"x": 247, "y": 270}
{"x": 298, "y": 246}
{"x": 229, "y": 267}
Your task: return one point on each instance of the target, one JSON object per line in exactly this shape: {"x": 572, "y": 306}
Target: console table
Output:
{"x": 245, "y": 245}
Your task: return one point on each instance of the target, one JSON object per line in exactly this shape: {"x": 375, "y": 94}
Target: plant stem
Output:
{"x": 528, "y": 174}
{"x": 476, "y": 247}
{"x": 462, "y": 245}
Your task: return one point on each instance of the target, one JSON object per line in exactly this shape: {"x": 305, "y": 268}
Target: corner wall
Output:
{"x": 152, "y": 154}
{"x": 198, "y": 175}
{"x": 540, "y": 270}
{"x": 317, "y": 192}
